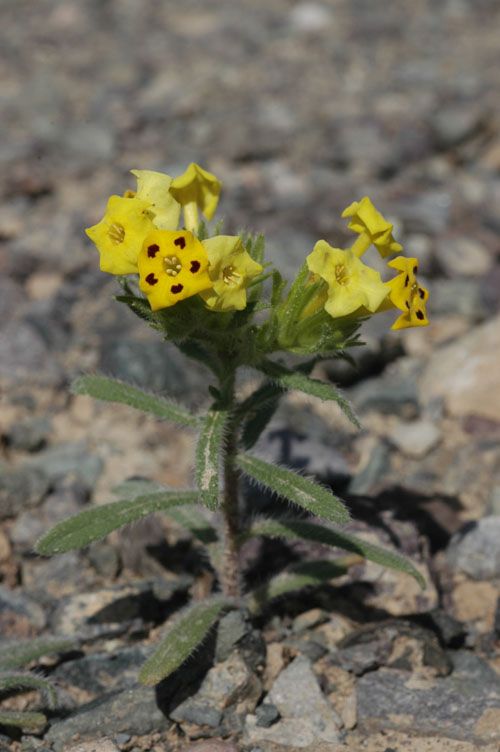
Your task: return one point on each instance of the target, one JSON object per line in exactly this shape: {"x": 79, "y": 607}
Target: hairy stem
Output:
{"x": 230, "y": 574}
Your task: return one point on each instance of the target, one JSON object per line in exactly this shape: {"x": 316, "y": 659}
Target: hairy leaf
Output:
{"x": 26, "y": 721}
{"x": 17, "y": 654}
{"x": 208, "y": 456}
{"x": 13, "y": 682}
{"x": 304, "y": 530}
{"x": 299, "y": 489}
{"x": 182, "y": 638}
{"x": 193, "y": 520}
{"x": 113, "y": 390}
{"x": 258, "y": 410}
{"x": 301, "y": 382}
{"x": 305, "y": 574}
{"x": 94, "y": 524}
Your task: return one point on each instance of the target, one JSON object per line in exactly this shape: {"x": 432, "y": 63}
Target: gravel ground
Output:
{"x": 300, "y": 108}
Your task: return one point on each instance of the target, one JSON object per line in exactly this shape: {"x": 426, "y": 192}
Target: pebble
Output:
{"x": 415, "y": 439}
{"x": 475, "y": 550}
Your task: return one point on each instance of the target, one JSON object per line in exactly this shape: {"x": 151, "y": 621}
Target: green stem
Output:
{"x": 230, "y": 573}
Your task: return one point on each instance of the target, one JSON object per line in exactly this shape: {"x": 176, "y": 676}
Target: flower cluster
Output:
{"x": 139, "y": 235}
{"x": 142, "y": 233}
{"x": 355, "y": 288}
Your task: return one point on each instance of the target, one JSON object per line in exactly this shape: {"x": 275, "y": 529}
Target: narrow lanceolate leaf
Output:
{"x": 305, "y": 574}
{"x": 208, "y": 456}
{"x": 302, "y": 491}
{"x": 193, "y": 520}
{"x": 304, "y": 530}
{"x": 303, "y": 383}
{"x": 18, "y": 654}
{"x": 26, "y": 721}
{"x": 258, "y": 409}
{"x": 14, "y": 682}
{"x": 182, "y": 638}
{"x": 112, "y": 390}
{"x": 94, "y": 524}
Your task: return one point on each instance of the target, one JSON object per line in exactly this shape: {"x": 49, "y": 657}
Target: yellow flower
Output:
{"x": 372, "y": 227}
{"x": 154, "y": 188}
{"x": 196, "y": 189}
{"x": 406, "y": 294}
{"x": 351, "y": 284}
{"x": 172, "y": 266}
{"x": 120, "y": 234}
{"x": 231, "y": 269}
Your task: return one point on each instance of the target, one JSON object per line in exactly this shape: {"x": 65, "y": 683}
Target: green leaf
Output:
{"x": 113, "y": 390}
{"x": 299, "y": 489}
{"x": 279, "y": 285}
{"x": 208, "y": 456}
{"x": 26, "y": 721}
{"x": 94, "y": 524}
{"x": 130, "y": 489}
{"x": 258, "y": 409}
{"x": 17, "y": 654}
{"x": 302, "y": 383}
{"x": 14, "y": 682}
{"x": 194, "y": 521}
{"x": 183, "y": 637}
{"x": 298, "y": 577}
{"x": 304, "y": 530}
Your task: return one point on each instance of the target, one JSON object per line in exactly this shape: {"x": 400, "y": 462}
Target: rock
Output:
{"x": 227, "y": 684}
{"x": 389, "y": 699}
{"x": 58, "y": 505}
{"x": 69, "y": 459}
{"x": 310, "y": 17}
{"x": 235, "y": 629}
{"x": 309, "y": 619}
{"x": 30, "y": 435}
{"x": 212, "y": 745}
{"x": 454, "y": 124}
{"x": 475, "y": 550}
{"x": 463, "y": 256}
{"x": 307, "y": 716}
{"x": 415, "y": 439}
{"x": 20, "y": 615}
{"x": 395, "y": 393}
{"x": 116, "y": 604}
{"x": 147, "y": 364}
{"x": 21, "y": 488}
{"x": 24, "y": 357}
{"x": 99, "y": 745}
{"x": 266, "y": 714}
{"x": 466, "y": 374}
{"x": 367, "y": 479}
{"x": 99, "y": 673}
{"x": 462, "y": 296}
{"x": 132, "y": 711}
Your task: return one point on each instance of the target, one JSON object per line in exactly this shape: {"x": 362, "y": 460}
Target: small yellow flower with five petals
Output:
{"x": 351, "y": 284}
{"x": 120, "y": 234}
{"x": 231, "y": 269}
{"x": 154, "y": 189}
{"x": 372, "y": 228}
{"x": 196, "y": 189}
{"x": 407, "y": 295}
{"x": 172, "y": 266}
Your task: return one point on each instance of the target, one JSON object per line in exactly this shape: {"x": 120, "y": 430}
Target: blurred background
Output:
{"x": 300, "y": 108}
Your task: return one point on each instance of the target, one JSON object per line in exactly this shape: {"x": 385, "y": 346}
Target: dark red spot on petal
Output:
{"x": 421, "y": 293}
{"x": 407, "y": 279}
{"x": 195, "y": 265}
{"x": 176, "y": 289}
{"x": 415, "y": 269}
{"x": 151, "y": 279}
{"x": 420, "y": 316}
{"x": 153, "y": 250}
{"x": 407, "y": 305}
{"x": 180, "y": 242}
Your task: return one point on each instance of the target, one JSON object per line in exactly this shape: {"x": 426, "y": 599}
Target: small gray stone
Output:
{"x": 232, "y": 628}
{"x": 132, "y": 711}
{"x": 475, "y": 550}
{"x": 70, "y": 459}
{"x": 21, "y": 488}
{"x": 30, "y": 435}
{"x": 365, "y": 482}
{"x": 19, "y": 605}
{"x": 200, "y": 713}
{"x": 416, "y": 438}
{"x": 267, "y": 714}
